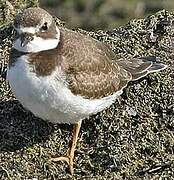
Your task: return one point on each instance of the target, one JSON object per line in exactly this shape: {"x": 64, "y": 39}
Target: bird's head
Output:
{"x": 36, "y": 31}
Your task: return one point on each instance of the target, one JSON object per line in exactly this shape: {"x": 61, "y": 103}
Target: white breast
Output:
{"x": 49, "y": 98}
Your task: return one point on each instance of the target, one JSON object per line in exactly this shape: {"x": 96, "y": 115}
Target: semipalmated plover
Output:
{"x": 64, "y": 76}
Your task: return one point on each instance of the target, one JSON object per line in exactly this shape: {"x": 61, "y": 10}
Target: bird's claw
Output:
{"x": 68, "y": 159}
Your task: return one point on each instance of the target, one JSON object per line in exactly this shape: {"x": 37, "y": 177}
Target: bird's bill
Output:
{"x": 26, "y": 38}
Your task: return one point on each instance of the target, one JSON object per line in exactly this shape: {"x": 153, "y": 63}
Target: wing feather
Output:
{"x": 92, "y": 73}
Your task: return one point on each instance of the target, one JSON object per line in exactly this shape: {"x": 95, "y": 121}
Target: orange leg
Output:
{"x": 70, "y": 156}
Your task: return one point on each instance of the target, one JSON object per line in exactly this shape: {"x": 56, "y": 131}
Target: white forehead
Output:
{"x": 31, "y": 30}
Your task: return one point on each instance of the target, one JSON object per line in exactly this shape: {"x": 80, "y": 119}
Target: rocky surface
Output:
{"x": 133, "y": 139}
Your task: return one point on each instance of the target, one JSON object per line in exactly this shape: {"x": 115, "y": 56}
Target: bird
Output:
{"x": 64, "y": 76}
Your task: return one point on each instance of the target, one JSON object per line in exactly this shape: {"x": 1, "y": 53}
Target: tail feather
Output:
{"x": 140, "y": 67}
{"x": 157, "y": 67}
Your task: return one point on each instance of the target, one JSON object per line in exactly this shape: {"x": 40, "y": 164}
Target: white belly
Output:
{"x": 50, "y": 99}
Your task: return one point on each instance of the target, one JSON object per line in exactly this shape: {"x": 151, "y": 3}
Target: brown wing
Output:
{"x": 89, "y": 66}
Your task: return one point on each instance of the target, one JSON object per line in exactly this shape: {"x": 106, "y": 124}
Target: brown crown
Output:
{"x": 32, "y": 17}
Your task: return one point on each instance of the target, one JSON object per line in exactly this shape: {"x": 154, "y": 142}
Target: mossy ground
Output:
{"x": 133, "y": 139}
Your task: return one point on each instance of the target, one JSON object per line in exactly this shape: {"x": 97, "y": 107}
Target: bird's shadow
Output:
{"x": 19, "y": 128}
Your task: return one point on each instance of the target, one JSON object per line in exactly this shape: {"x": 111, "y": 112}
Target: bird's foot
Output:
{"x": 70, "y": 155}
{"x": 68, "y": 159}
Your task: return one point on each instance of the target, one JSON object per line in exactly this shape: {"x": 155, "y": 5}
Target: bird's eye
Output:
{"x": 44, "y": 27}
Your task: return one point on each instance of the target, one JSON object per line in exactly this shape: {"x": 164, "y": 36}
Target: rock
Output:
{"x": 114, "y": 143}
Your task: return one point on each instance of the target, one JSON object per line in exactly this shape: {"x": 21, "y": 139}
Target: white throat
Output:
{"x": 37, "y": 44}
